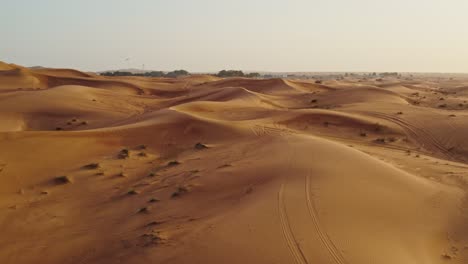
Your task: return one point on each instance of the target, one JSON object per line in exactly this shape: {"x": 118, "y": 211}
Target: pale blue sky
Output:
{"x": 209, "y": 35}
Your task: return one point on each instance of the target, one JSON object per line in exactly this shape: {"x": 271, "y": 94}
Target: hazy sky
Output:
{"x": 209, "y": 35}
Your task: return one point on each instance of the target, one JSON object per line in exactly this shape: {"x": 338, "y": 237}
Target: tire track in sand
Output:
{"x": 293, "y": 246}
{"x": 324, "y": 238}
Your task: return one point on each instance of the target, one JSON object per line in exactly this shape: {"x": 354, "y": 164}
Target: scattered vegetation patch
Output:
{"x": 180, "y": 191}
{"x": 132, "y": 192}
{"x": 313, "y": 101}
{"x": 92, "y": 166}
{"x": 153, "y": 200}
{"x": 142, "y": 154}
{"x": 58, "y": 128}
{"x": 442, "y": 106}
{"x": 200, "y": 146}
{"x": 380, "y": 140}
{"x": 363, "y": 134}
{"x": 151, "y": 174}
{"x": 173, "y": 163}
{"x": 143, "y": 210}
{"x": 399, "y": 113}
{"x": 151, "y": 239}
{"x": 84, "y": 123}
{"x": 62, "y": 180}
{"x": 124, "y": 153}
{"x": 141, "y": 147}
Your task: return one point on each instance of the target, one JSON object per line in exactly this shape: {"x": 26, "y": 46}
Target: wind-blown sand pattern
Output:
{"x": 201, "y": 169}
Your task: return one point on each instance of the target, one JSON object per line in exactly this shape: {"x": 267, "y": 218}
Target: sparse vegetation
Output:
{"x": 132, "y": 192}
{"x": 380, "y": 140}
{"x": 141, "y": 147}
{"x": 363, "y": 134}
{"x": 200, "y": 146}
{"x": 143, "y": 210}
{"x": 124, "y": 153}
{"x": 173, "y": 163}
{"x": 180, "y": 191}
{"x": 153, "y": 200}
{"x": 92, "y": 166}
{"x": 62, "y": 180}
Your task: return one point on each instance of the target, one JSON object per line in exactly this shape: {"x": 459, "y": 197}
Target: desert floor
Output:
{"x": 200, "y": 169}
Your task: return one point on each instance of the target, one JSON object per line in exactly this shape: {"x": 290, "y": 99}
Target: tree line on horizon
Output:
{"x": 172, "y": 74}
{"x": 179, "y": 73}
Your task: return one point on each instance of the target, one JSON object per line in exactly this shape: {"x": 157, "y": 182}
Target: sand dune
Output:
{"x": 201, "y": 169}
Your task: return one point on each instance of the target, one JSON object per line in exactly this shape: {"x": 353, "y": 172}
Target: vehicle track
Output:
{"x": 324, "y": 238}
{"x": 293, "y": 246}
{"x": 418, "y": 134}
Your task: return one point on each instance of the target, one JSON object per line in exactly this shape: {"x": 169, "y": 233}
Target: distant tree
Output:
{"x": 230, "y": 73}
{"x": 253, "y": 75}
{"x": 177, "y": 73}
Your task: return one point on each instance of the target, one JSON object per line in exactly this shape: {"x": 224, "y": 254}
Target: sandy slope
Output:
{"x": 349, "y": 171}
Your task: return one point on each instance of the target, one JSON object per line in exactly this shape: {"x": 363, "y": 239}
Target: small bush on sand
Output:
{"x": 141, "y": 147}
{"x": 143, "y": 210}
{"x": 92, "y": 166}
{"x": 180, "y": 191}
{"x": 173, "y": 163}
{"x": 153, "y": 200}
{"x": 62, "y": 180}
{"x": 124, "y": 153}
{"x": 380, "y": 140}
{"x": 200, "y": 146}
{"x": 363, "y": 134}
{"x": 132, "y": 192}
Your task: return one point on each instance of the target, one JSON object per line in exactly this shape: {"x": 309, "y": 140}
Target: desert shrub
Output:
{"x": 62, "y": 180}
{"x": 200, "y": 146}
{"x": 143, "y": 210}
{"x": 173, "y": 163}
{"x": 153, "y": 200}
{"x": 132, "y": 192}
{"x": 380, "y": 140}
{"x": 124, "y": 153}
{"x": 180, "y": 191}
{"x": 141, "y": 147}
{"x": 92, "y": 166}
